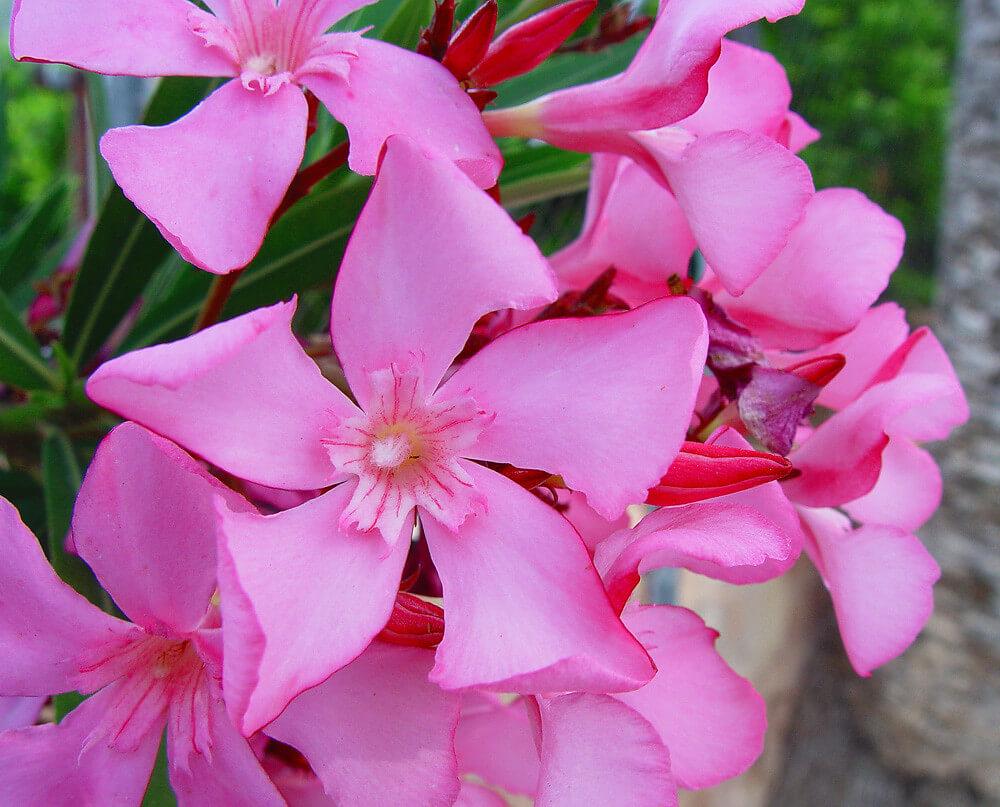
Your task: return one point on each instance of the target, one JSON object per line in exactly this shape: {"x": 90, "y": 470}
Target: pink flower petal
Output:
{"x": 747, "y": 90}
{"x": 45, "y": 626}
{"x": 881, "y": 581}
{"x": 712, "y": 720}
{"x": 637, "y": 227}
{"x": 145, "y": 523}
{"x": 17, "y": 712}
{"x": 570, "y": 396}
{"x": 842, "y": 459}
{"x": 377, "y": 733}
{"x": 57, "y": 765}
{"x": 879, "y": 332}
{"x": 429, "y": 256}
{"x": 120, "y": 37}
{"x": 732, "y": 542}
{"x": 285, "y": 580}
{"x": 923, "y": 355}
{"x": 592, "y": 527}
{"x": 524, "y": 609}
{"x": 212, "y": 180}
{"x": 742, "y": 194}
{"x": 837, "y": 262}
{"x": 907, "y": 492}
{"x": 796, "y": 133}
{"x": 320, "y": 14}
{"x": 229, "y": 775}
{"x": 669, "y": 76}
{"x": 497, "y": 742}
{"x": 596, "y": 750}
{"x": 242, "y": 394}
{"x": 390, "y": 91}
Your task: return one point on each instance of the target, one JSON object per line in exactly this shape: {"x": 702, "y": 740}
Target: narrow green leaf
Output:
{"x": 159, "y": 792}
{"x": 21, "y": 362}
{"x": 125, "y": 247}
{"x": 98, "y": 173}
{"x": 61, "y": 481}
{"x": 534, "y": 174}
{"x": 403, "y": 27}
{"x": 22, "y": 248}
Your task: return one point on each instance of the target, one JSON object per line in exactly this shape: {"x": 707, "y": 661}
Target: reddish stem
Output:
{"x": 308, "y": 177}
{"x": 222, "y": 287}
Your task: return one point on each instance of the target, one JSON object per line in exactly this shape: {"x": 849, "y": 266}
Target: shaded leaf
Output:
{"x": 125, "y": 247}
{"x": 23, "y": 247}
{"x": 21, "y": 361}
{"x": 61, "y": 479}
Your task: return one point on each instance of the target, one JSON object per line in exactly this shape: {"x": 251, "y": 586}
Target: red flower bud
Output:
{"x": 414, "y": 622}
{"x": 471, "y": 41}
{"x": 704, "y": 471}
{"x": 529, "y": 43}
{"x": 821, "y": 370}
{"x": 435, "y": 37}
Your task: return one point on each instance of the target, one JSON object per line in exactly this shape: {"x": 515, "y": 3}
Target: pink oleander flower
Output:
{"x": 893, "y": 392}
{"x": 744, "y": 537}
{"x": 604, "y": 402}
{"x": 212, "y": 181}
{"x": 896, "y": 391}
{"x": 830, "y": 268}
{"x": 720, "y": 148}
{"x": 695, "y": 724}
{"x": 146, "y": 523}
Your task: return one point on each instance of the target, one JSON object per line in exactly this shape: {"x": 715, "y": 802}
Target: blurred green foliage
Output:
{"x": 874, "y": 77}
{"x": 33, "y": 137}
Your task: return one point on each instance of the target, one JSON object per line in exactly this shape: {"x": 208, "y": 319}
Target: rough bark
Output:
{"x": 925, "y": 730}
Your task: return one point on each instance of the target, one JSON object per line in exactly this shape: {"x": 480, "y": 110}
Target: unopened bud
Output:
{"x": 471, "y": 42}
{"x": 414, "y": 622}
{"x": 704, "y": 471}
{"x": 529, "y": 43}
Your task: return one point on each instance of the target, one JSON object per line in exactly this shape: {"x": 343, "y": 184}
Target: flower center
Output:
{"x": 406, "y": 451}
{"x": 394, "y": 447}
{"x": 148, "y": 675}
{"x": 262, "y": 65}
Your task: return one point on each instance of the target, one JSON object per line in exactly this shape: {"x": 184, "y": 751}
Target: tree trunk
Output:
{"x": 925, "y": 730}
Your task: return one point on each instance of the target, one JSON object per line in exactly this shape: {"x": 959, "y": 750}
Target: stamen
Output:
{"x": 391, "y": 451}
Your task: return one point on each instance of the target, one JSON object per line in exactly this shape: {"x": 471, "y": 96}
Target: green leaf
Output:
{"x": 21, "y": 362}
{"x": 403, "y": 27}
{"x": 125, "y": 247}
{"x": 96, "y": 108}
{"x": 61, "y": 481}
{"x": 66, "y": 702}
{"x": 302, "y": 251}
{"x": 534, "y": 174}
{"x": 159, "y": 792}
{"x": 23, "y": 247}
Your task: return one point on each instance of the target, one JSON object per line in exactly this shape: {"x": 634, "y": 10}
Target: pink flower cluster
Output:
{"x": 412, "y": 581}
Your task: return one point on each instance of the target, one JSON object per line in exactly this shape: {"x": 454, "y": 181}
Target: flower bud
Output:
{"x": 703, "y": 471}
{"x": 471, "y": 42}
{"x": 529, "y": 43}
{"x": 414, "y": 622}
